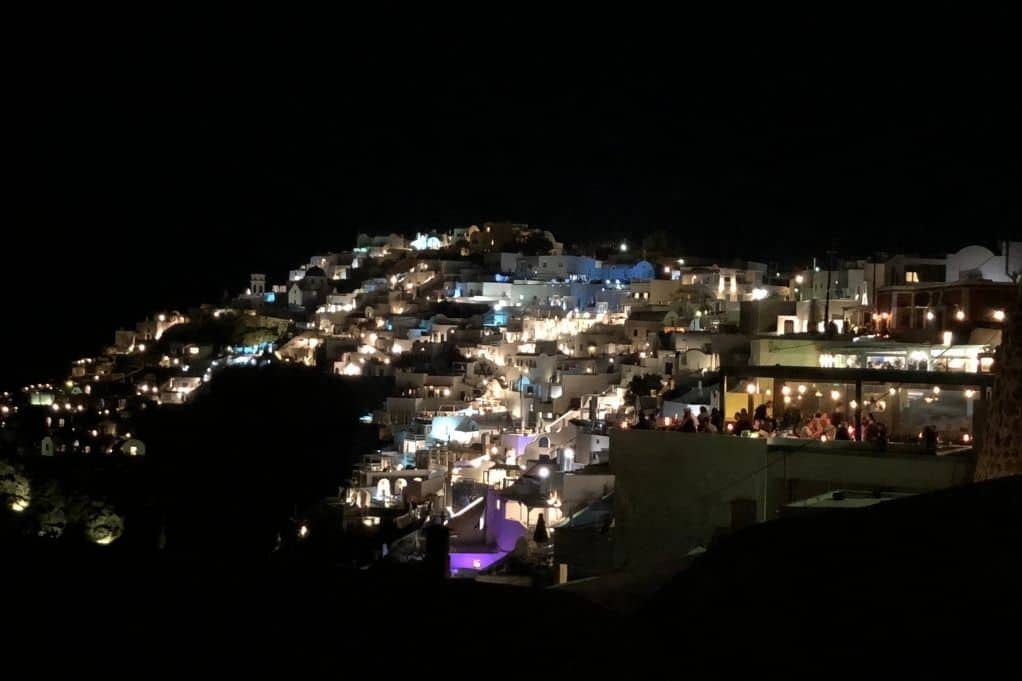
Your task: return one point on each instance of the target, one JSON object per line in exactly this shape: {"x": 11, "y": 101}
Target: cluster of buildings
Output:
{"x": 566, "y": 414}
{"x": 560, "y": 395}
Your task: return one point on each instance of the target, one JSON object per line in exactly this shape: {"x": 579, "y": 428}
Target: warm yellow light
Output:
{"x": 835, "y": 395}
{"x": 999, "y": 315}
{"x": 787, "y": 399}
{"x": 960, "y": 315}
{"x": 799, "y": 279}
{"x": 786, "y": 390}
{"x": 19, "y": 505}
{"x": 853, "y": 404}
{"x": 970, "y": 393}
{"x": 802, "y": 389}
{"x": 823, "y": 438}
{"x": 303, "y": 531}
{"x": 751, "y": 388}
{"x": 929, "y": 315}
{"x": 892, "y": 391}
{"x": 936, "y": 390}
{"x": 966, "y": 438}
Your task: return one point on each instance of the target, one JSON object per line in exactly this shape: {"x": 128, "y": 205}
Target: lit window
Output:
{"x": 911, "y": 277}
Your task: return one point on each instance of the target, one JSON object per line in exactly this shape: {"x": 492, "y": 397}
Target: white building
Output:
{"x": 982, "y": 263}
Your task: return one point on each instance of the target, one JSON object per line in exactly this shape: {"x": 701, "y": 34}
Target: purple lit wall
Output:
{"x": 501, "y": 536}
{"x": 475, "y": 561}
{"x": 501, "y": 532}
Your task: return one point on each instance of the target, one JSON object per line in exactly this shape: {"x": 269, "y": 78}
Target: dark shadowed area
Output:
{"x": 158, "y": 160}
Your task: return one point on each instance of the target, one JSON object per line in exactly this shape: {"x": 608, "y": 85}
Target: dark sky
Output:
{"x": 158, "y": 159}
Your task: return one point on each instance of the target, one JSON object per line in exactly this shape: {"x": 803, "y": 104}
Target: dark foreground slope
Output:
{"x": 937, "y": 569}
{"x": 922, "y": 578}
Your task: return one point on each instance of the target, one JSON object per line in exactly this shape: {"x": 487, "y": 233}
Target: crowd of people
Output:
{"x": 819, "y": 426}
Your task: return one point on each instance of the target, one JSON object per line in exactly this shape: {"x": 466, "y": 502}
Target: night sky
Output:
{"x": 156, "y": 163}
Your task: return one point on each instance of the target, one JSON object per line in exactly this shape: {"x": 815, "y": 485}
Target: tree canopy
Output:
{"x": 644, "y": 385}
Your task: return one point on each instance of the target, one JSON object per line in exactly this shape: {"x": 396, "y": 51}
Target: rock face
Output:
{"x": 1000, "y": 453}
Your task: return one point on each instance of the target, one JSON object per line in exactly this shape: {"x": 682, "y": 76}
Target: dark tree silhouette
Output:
{"x": 536, "y": 244}
{"x": 1000, "y": 453}
{"x": 540, "y": 535}
{"x": 643, "y": 385}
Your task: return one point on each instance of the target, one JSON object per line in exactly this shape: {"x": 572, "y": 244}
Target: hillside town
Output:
{"x": 557, "y": 412}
